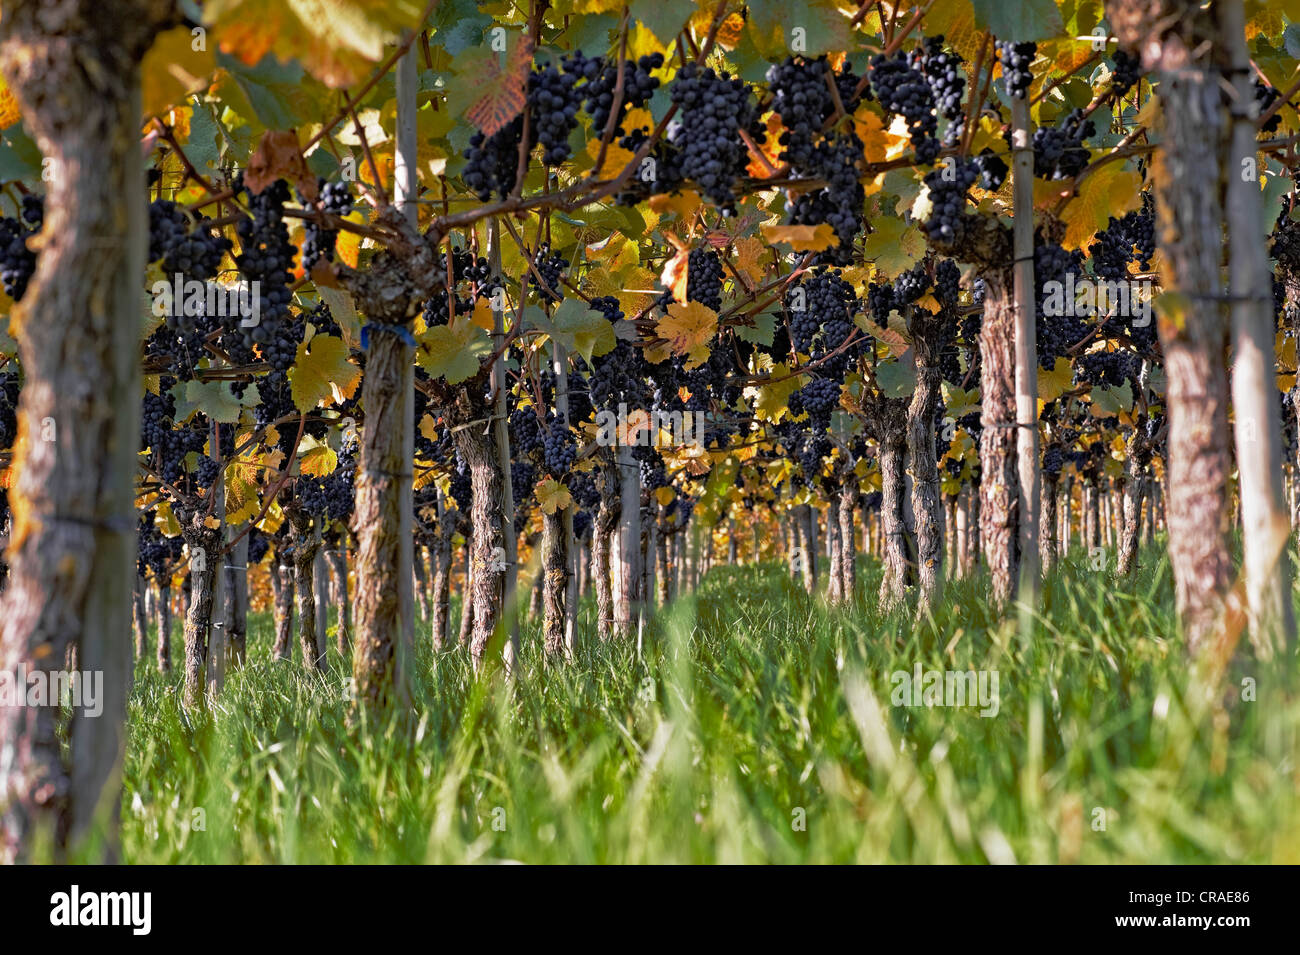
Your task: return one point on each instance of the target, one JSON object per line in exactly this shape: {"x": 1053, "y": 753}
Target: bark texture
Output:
{"x": 73, "y": 67}
{"x": 305, "y": 545}
{"x": 927, "y": 509}
{"x": 1000, "y": 480}
{"x": 1178, "y": 40}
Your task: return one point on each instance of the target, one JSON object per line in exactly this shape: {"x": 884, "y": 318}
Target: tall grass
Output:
{"x": 755, "y": 725}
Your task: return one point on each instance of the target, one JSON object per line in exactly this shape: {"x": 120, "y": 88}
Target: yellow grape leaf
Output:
{"x": 318, "y": 461}
{"x": 674, "y": 275}
{"x": 1149, "y": 115}
{"x": 688, "y": 329}
{"x": 770, "y": 149}
{"x": 552, "y": 495}
{"x": 637, "y": 292}
{"x": 173, "y": 68}
{"x": 242, "y": 490}
{"x": 955, "y": 19}
{"x": 772, "y": 400}
{"x": 749, "y": 253}
{"x": 453, "y": 352}
{"x": 801, "y": 238}
{"x": 322, "y": 373}
{"x": 587, "y": 332}
{"x": 482, "y": 316}
{"x": 1111, "y": 190}
{"x": 9, "y": 112}
{"x": 1052, "y": 384}
{"x": 879, "y": 143}
{"x": 337, "y": 41}
{"x": 929, "y": 303}
{"x": 616, "y": 157}
{"x": 684, "y": 204}
{"x": 665, "y": 495}
{"x": 961, "y": 403}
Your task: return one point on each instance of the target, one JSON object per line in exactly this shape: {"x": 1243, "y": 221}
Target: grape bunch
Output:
{"x": 559, "y": 449}
{"x": 266, "y": 258}
{"x": 947, "y": 281}
{"x": 492, "y": 162}
{"x": 550, "y": 266}
{"x": 617, "y": 378}
{"x": 802, "y": 99}
{"x": 827, "y": 314}
{"x": 602, "y": 79}
{"x": 553, "y": 105}
{"x": 1130, "y": 238}
{"x": 943, "y": 72}
{"x": 653, "y": 473}
{"x": 8, "y": 409}
{"x": 17, "y": 262}
{"x": 840, "y": 204}
{"x": 1059, "y": 152}
{"x": 948, "y": 224}
{"x": 902, "y": 88}
{"x": 704, "y": 278}
{"x": 818, "y": 398}
{"x": 1265, "y": 96}
{"x": 880, "y": 302}
{"x": 1057, "y": 333}
{"x": 992, "y": 170}
{"x": 525, "y": 431}
{"x": 319, "y": 241}
{"x": 713, "y": 109}
{"x": 1017, "y": 58}
{"x": 1126, "y": 71}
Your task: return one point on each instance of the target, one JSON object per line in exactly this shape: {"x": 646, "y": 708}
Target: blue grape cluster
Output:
{"x": 704, "y": 278}
{"x": 1017, "y": 58}
{"x": 713, "y": 109}
{"x": 319, "y": 241}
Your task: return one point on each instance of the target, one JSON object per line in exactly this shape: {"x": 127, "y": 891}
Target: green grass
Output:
{"x": 752, "y": 707}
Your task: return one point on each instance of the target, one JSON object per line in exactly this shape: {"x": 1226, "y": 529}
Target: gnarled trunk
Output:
{"x": 892, "y": 525}
{"x": 282, "y": 649}
{"x": 73, "y": 67}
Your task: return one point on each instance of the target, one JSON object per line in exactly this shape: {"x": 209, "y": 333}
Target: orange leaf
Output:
{"x": 504, "y": 97}
{"x": 279, "y": 156}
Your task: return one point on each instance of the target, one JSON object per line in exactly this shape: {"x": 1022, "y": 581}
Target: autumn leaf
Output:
{"x": 9, "y": 112}
{"x": 688, "y": 329}
{"x": 279, "y": 156}
{"x": 772, "y": 400}
{"x": 801, "y": 238}
{"x": 322, "y": 373}
{"x": 1110, "y": 190}
{"x": 336, "y": 41}
{"x": 879, "y": 142}
{"x": 318, "y": 461}
{"x": 552, "y": 495}
{"x": 674, "y": 274}
{"x": 453, "y": 351}
{"x": 1052, "y": 384}
{"x": 172, "y": 69}
{"x": 894, "y": 246}
{"x": 504, "y": 87}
